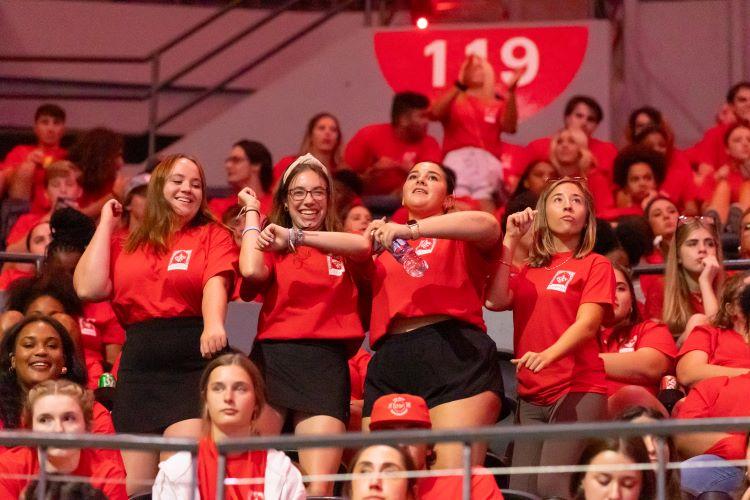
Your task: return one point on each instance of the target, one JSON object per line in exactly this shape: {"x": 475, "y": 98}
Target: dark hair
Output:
{"x": 351, "y": 180}
{"x": 95, "y": 152}
{"x": 403, "y": 102}
{"x": 734, "y": 89}
{"x": 635, "y": 236}
{"x": 519, "y": 203}
{"x": 71, "y": 231}
{"x": 257, "y": 153}
{"x": 654, "y": 129}
{"x": 632, "y": 447}
{"x": 653, "y": 113}
{"x": 49, "y": 109}
{"x": 630, "y": 155}
{"x": 731, "y": 130}
{"x": 654, "y": 200}
{"x": 31, "y": 231}
{"x": 622, "y": 330}
{"x": 11, "y": 394}
{"x": 520, "y": 188}
{"x": 64, "y": 490}
{"x": 24, "y": 291}
{"x": 588, "y": 101}
{"x": 606, "y": 239}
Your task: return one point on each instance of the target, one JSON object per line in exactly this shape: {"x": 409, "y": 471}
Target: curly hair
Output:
{"x": 24, "y": 291}
{"x": 631, "y": 155}
{"x": 12, "y": 394}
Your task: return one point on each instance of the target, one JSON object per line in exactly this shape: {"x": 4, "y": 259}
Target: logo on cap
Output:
{"x": 399, "y": 406}
{"x": 180, "y": 260}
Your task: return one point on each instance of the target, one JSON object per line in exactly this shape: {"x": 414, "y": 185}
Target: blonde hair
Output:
{"x": 543, "y": 245}
{"x": 60, "y": 387}
{"x": 730, "y": 294}
{"x": 586, "y": 159}
{"x": 677, "y": 309}
{"x": 62, "y": 168}
{"x": 160, "y": 221}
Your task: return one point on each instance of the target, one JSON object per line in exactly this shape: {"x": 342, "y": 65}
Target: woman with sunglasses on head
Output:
{"x": 559, "y": 300}
{"x": 687, "y": 296}
{"x": 426, "y": 325}
{"x": 720, "y": 347}
{"x": 309, "y": 323}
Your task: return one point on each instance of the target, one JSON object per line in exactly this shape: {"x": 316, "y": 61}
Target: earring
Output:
{"x": 64, "y": 370}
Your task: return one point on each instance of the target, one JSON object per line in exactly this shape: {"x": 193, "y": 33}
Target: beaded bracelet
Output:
{"x": 248, "y": 229}
{"x": 247, "y": 209}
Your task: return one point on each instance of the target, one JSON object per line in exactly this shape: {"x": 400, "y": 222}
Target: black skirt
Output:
{"x": 159, "y": 375}
{"x": 308, "y": 376}
{"x": 442, "y": 362}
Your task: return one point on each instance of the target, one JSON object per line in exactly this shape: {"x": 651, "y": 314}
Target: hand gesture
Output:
{"x": 273, "y": 238}
{"x": 111, "y": 214}
{"x": 390, "y": 231}
{"x": 213, "y": 340}
{"x": 517, "y": 74}
{"x": 247, "y": 198}
{"x": 36, "y": 156}
{"x": 711, "y": 268}
{"x": 519, "y": 224}
{"x": 534, "y": 361}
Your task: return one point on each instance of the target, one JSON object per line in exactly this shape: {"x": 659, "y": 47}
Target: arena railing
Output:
{"x": 563, "y": 432}
{"x": 729, "y": 265}
{"x": 22, "y": 258}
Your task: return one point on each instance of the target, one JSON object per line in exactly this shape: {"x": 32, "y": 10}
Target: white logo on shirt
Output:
{"x": 629, "y": 346}
{"x": 86, "y": 325}
{"x": 180, "y": 260}
{"x": 335, "y": 265}
{"x": 426, "y": 246}
{"x": 560, "y": 281}
{"x": 399, "y": 406}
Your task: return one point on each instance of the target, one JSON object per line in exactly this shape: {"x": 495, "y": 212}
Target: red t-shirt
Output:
{"x": 473, "y": 122}
{"x": 23, "y": 225}
{"x": 724, "y": 347}
{"x": 655, "y": 300}
{"x": 710, "y": 149}
{"x": 98, "y": 326}
{"x": 720, "y": 397}
{"x": 147, "y": 285}
{"x": 679, "y": 183}
{"x": 545, "y": 304}
{"x": 309, "y": 295}
{"x": 453, "y": 285}
{"x": 646, "y": 334}
{"x": 380, "y": 141}
{"x": 357, "y": 372}
{"x": 483, "y": 487}
{"x": 12, "y": 274}
{"x": 515, "y": 159}
{"x": 17, "y": 155}
{"x": 220, "y": 205}
{"x": 25, "y": 461}
{"x": 604, "y": 152}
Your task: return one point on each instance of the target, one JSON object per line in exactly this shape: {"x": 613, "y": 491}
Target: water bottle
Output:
{"x": 413, "y": 264}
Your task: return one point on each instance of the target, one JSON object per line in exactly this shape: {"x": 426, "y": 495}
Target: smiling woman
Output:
{"x": 168, "y": 282}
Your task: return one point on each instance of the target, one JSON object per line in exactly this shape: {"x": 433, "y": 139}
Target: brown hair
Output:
{"x": 259, "y": 387}
{"x": 408, "y": 466}
{"x": 62, "y": 387}
{"x": 280, "y": 211}
{"x": 677, "y": 310}
{"x": 160, "y": 221}
{"x": 61, "y": 168}
{"x": 306, "y": 145}
{"x": 543, "y": 246}
{"x": 730, "y": 294}
{"x": 622, "y": 329}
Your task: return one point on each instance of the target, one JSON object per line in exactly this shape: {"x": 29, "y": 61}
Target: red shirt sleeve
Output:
{"x": 600, "y": 286}
{"x": 357, "y": 154}
{"x": 731, "y": 447}
{"x": 657, "y": 336}
{"x": 281, "y": 166}
{"x": 222, "y": 255}
{"x": 110, "y": 330}
{"x": 432, "y": 151}
{"x": 701, "y": 399}
{"x": 702, "y": 338}
{"x": 655, "y": 300}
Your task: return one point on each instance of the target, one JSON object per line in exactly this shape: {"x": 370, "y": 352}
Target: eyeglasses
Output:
{"x": 582, "y": 180}
{"x": 703, "y": 219}
{"x": 299, "y": 194}
{"x": 235, "y": 159}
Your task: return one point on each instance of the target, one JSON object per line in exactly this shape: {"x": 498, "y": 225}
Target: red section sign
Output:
{"x": 429, "y": 61}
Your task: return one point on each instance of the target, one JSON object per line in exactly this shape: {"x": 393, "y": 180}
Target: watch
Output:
{"x": 414, "y": 228}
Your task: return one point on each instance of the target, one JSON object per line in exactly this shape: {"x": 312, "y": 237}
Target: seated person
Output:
{"x": 36, "y": 243}
{"x": 248, "y": 165}
{"x": 60, "y": 406}
{"x": 372, "y": 466}
{"x": 233, "y": 395}
{"x": 23, "y": 169}
{"x": 322, "y": 139}
{"x": 638, "y": 173}
{"x": 383, "y": 154}
{"x": 404, "y": 411}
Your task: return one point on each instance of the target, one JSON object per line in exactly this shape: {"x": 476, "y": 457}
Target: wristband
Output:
{"x": 248, "y": 229}
{"x": 296, "y": 237}
{"x": 247, "y": 209}
{"x": 461, "y": 86}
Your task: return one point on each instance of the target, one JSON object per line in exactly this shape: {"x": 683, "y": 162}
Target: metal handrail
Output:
{"x": 23, "y": 258}
{"x": 729, "y": 265}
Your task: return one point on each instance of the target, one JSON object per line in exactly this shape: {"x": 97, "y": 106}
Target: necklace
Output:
{"x": 560, "y": 264}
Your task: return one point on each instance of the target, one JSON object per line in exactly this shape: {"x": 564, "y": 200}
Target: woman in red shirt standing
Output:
{"x": 559, "y": 300}
{"x": 309, "y": 324}
{"x": 427, "y": 328}
{"x": 60, "y": 406}
{"x": 168, "y": 283}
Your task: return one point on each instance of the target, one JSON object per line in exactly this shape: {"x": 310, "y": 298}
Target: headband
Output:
{"x": 306, "y": 159}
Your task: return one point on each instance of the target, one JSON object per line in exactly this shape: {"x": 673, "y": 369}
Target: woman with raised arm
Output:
{"x": 426, "y": 324}
{"x": 233, "y": 395}
{"x": 559, "y": 300}
{"x": 168, "y": 283}
{"x": 309, "y": 324}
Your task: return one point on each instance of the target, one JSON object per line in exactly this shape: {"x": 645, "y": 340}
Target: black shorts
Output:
{"x": 159, "y": 376}
{"x": 442, "y": 362}
{"x": 308, "y": 376}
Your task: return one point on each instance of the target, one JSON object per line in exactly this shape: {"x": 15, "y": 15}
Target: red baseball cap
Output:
{"x": 393, "y": 410}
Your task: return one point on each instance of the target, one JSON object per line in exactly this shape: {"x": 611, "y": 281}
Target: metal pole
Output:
{"x": 466, "y": 484}
{"x": 736, "y": 39}
{"x": 221, "y": 468}
{"x": 368, "y": 12}
{"x": 193, "y": 474}
{"x": 661, "y": 470}
{"x": 41, "y": 486}
{"x": 153, "y": 106}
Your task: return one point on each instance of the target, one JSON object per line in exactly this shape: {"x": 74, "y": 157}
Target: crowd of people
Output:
{"x": 374, "y": 260}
